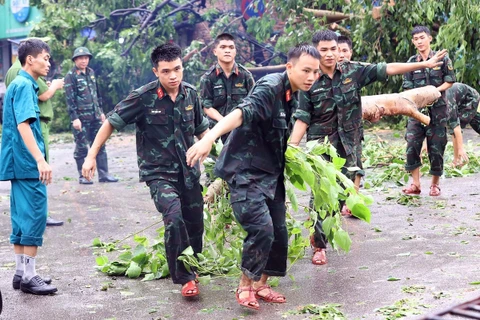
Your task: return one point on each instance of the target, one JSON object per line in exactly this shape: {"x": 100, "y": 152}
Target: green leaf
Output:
{"x": 97, "y": 242}
{"x": 475, "y": 283}
{"x": 133, "y": 270}
{"x": 102, "y": 260}
{"x": 362, "y": 212}
{"x": 393, "y": 279}
{"x": 188, "y": 251}
{"x": 342, "y": 239}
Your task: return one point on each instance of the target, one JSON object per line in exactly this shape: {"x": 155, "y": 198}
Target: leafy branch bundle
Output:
{"x": 223, "y": 237}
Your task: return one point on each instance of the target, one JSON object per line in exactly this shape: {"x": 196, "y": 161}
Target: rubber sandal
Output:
{"x": 250, "y": 302}
{"x": 413, "y": 189}
{"x": 190, "y": 289}
{"x": 435, "y": 190}
{"x": 319, "y": 257}
{"x": 272, "y": 296}
{"x": 345, "y": 211}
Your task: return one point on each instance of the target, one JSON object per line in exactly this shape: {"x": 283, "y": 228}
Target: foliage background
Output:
{"x": 454, "y": 25}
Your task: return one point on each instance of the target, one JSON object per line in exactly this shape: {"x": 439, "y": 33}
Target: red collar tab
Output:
{"x": 217, "y": 70}
{"x": 160, "y": 93}
{"x": 288, "y": 95}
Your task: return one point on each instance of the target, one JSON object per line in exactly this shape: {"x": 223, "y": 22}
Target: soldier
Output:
{"x": 345, "y": 49}
{"x": 168, "y": 115}
{"x": 226, "y": 83}
{"x": 332, "y": 108}
{"x": 252, "y": 162}
{"x": 441, "y": 77}
{"x": 45, "y": 93}
{"x": 464, "y": 108}
{"x": 85, "y": 113}
{"x": 22, "y": 161}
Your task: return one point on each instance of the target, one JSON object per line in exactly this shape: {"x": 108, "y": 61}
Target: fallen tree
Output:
{"x": 405, "y": 103}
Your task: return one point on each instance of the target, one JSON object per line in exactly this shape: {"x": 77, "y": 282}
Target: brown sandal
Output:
{"x": 272, "y": 296}
{"x": 250, "y": 302}
{"x": 345, "y": 211}
{"x": 319, "y": 257}
{"x": 435, "y": 190}
{"x": 413, "y": 189}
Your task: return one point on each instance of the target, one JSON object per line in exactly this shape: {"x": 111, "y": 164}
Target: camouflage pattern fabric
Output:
{"x": 265, "y": 248}
{"x": 252, "y": 162}
{"x": 164, "y": 130}
{"x": 463, "y": 102}
{"x": 222, "y": 93}
{"x": 82, "y": 95}
{"x": 182, "y": 212}
{"x": 437, "y": 76}
{"x": 332, "y": 107}
{"x": 84, "y": 137}
{"x": 435, "y": 132}
{"x": 436, "y": 143}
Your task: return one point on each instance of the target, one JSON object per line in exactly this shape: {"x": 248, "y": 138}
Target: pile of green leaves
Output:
{"x": 307, "y": 169}
{"x": 223, "y": 237}
{"x": 385, "y": 161}
{"x": 325, "y": 312}
{"x": 402, "y": 308}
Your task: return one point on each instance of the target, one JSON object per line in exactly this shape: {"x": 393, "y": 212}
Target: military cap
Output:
{"x": 81, "y": 51}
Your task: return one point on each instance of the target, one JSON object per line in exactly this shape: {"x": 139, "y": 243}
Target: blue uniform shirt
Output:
{"x": 21, "y": 104}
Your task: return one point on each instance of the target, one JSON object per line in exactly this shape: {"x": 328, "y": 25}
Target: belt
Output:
{"x": 45, "y": 119}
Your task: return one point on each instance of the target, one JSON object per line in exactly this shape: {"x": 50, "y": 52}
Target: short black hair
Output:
{"x": 324, "y": 35}
{"x": 165, "y": 52}
{"x": 31, "y": 47}
{"x": 223, "y": 36}
{"x": 301, "y": 49}
{"x": 420, "y": 29}
{"x": 343, "y": 39}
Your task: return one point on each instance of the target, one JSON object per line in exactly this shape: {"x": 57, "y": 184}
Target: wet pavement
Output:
{"x": 434, "y": 246}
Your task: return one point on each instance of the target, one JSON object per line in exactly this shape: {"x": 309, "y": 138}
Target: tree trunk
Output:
{"x": 405, "y": 103}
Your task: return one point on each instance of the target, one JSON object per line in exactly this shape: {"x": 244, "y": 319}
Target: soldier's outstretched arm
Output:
{"x": 201, "y": 149}
{"x": 401, "y": 68}
{"x": 88, "y": 168}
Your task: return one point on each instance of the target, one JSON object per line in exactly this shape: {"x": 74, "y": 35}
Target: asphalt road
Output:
{"x": 432, "y": 251}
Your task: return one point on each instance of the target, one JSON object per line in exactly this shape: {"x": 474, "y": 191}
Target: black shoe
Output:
{"x": 36, "y": 285}
{"x": 83, "y": 180}
{"x": 107, "y": 179}
{"x": 53, "y": 222}
{"x": 17, "y": 279}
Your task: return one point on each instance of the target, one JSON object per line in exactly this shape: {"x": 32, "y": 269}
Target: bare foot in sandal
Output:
{"x": 265, "y": 293}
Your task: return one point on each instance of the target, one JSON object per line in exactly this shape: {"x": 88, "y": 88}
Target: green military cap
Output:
{"x": 81, "y": 51}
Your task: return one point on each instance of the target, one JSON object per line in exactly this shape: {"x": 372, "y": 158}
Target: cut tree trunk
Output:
{"x": 405, "y": 103}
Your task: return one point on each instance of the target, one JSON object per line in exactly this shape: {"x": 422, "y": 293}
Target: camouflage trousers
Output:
{"x": 265, "y": 247}
{"x": 182, "y": 211}
{"x": 436, "y": 142}
{"x": 475, "y": 123}
{"x": 84, "y": 138}
{"x": 319, "y": 237}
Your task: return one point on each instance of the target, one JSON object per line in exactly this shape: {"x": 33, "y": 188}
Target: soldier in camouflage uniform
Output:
{"x": 226, "y": 83}
{"x": 252, "y": 162}
{"x": 85, "y": 113}
{"x": 441, "y": 77}
{"x": 168, "y": 115}
{"x": 464, "y": 108}
{"x": 332, "y": 108}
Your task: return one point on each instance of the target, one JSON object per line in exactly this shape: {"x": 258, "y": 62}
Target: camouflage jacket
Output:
{"x": 333, "y": 108}
{"x": 164, "y": 130}
{"x": 436, "y": 77}
{"x": 463, "y": 103}
{"x": 255, "y": 151}
{"x": 82, "y": 95}
{"x": 222, "y": 93}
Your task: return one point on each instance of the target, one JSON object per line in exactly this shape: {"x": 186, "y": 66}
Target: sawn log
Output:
{"x": 405, "y": 103}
